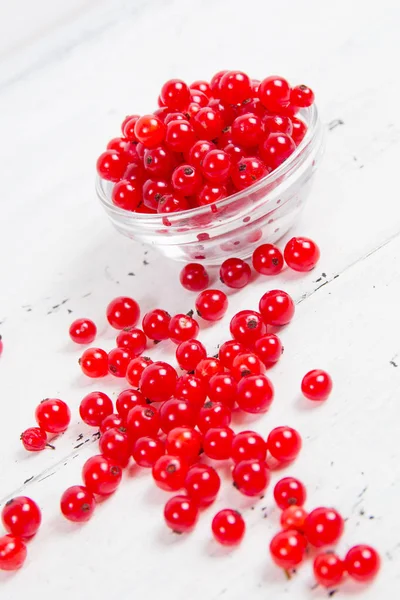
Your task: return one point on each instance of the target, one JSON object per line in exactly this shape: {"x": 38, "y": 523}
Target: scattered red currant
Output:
{"x": 288, "y": 492}
{"x": 183, "y": 328}
{"x": 194, "y": 277}
{"x": 34, "y": 439}
{"x": 235, "y": 273}
{"x": 192, "y": 390}
{"x": 274, "y": 93}
{"x": 267, "y": 259}
{"x": 211, "y": 305}
{"x": 316, "y": 385}
{"x": 95, "y": 407}
{"x": 156, "y": 324}
{"x": 329, "y": 569}
{"x": 21, "y": 517}
{"x": 77, "y": 504}
{"x": 118, "y": 361}
{"x": 143, "y": 421}
{"x": 147, "y": 450}
{"x": 133, "y": 340}
{"x": 301, "y": 254}
{"x": 222, "y": 388}
{"x": 268, "y": 349}
{"x": 251, "y": 477}
{"x": 175, "y": 94}
{"x": 128, "y": 399}
{"x": 229, "y": 351}
{"x": 158, "y": 381}
{"x": 247, "y": 364}
{"x": 177, "y": 413}
{"x": 169, "y": 472}
{"x": 288, "y": 548}
{"x": 114, "y": 444}
{"x": 284, "y": 443}
{"x": 248, "y": 445}
{"x": 276, "y": 308}
{"x": 362, "y": 563}
{"x": 82, "y": 331}
{"x": 150, "y": 130}
{"x": 235, "y": 87}
{"x": 185, "y": 442}
{"x": 202, "y": 484}
{"x": 110, "y": 422}
{"x": 228, "y": 527}
{"x": 217, "y": 443}
{"x": 123, "y": 312}
{"x": 136, "y": 368}
{"x": 323, "y": 527}
{"x": 247, "y": 327}
{"x": 181, "y": 514}
{"x": 100, "y": 475}
{"x": 94, "y": 362}
{"x": 207, "y": 368}
{"x": 255, "y": 394}
{"x": 301, "y": 96}
{"x": 213, "y": 414}
{"x": 111, "y": 165}
{"x": 53, "y": 415}
{"x": 189, "y": 354}
{"x": 12, "y": 553}
{"x": 293, "y": 517}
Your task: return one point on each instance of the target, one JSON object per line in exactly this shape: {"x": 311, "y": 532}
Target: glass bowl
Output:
{"x": 262, "y": 213}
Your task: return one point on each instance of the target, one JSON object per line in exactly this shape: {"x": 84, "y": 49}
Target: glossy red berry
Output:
{"x": 192, "y": 390}
{"x": 175, "y": 94}
{"x": 277, "y": 124}
{"x": 229, "y": 351}
{"x": 177, "y": 413}
{"x": 172, "y": 203}
{"x": 293, "y": 517}
{"x": 216, "y": 166}
{"x": 53, "y": 415}
{"x": 362, "y": 563}
{"x": 202, "y": 484}
{"x": 228, "y": 527}
{"x": 123, "y": 312}
{"x": 267, "y": 259}
{"x": 34, "y": 439}
{"x": 207, "y": 124}
{"x": 169, "y": 472}
{"x": 147, "y": 450}
{"x": 217, "y": 443}
{"x": 301, "y": 96}
{"x": 301, "y": 254}
{"x": 95, "y": 407}
{"x": 211, "y": 193}
{"x": 288, "y": 492}
{"x": 101, "y": 475}
{"x": 251, "y": 477}
{"x": 111, "y": 165}
{"x": 316, "y": 385}
{"x": 180, "y": 136}
{"x": 323, "y": 526}
{"x": 159, "y": 162}
{"x": 329, "y": 569}
{"x": 128, "y": 399}
{"x": 211, "y": 305}
{"x": 189, "y": 353}
{"x": 274, "y": 93}
{"x": 111, "y": 421}
{"x": 133, "y": 340}
{"x": 94, "y": 362}
{"x": 143, "y": 421}
{"x": 247, "y": 130}
{"x": 150, "y": 130}
{"x": 299, "y": 130}
{"x": 276, "y": 308}
{"x": 158, "y": 382}
{"x": 126, "y": 194}
{"x": 77, "y": 504}
{"x": 194, "y": 277}
{"x": 12, "y": 553}
{"x": 114, "y": 444}
{"x": 247, "y": 327}
{"x": 21, "y": 517}
{"x": 198, "y": 151}
{"x": 183, "y": 328}
{"x": 247, "y": 364}
{"x": 284, "y": 443}
{"x": 186, "y": 180}
{"x": 202, "y": 86}
{"x": 214, "y": 83}
{"x": 136, "y": 368}
{"x": 235, "y": 87}
{"x": 276, "y": 148}
{"x": 247, "y": 171}
{"x": 255, "y": 393}
{"x": 288, "y": 548}
{"x": 235, "y": 273}
{"x": 185, "y": 442}
{"x": 156, "y": 324}
{"x": 181, "y": 514}
{"x": 207, "y": 368}
{"x": 269, "y": 349}
{"x": 82, "y": 331}
{"x": 222, "y": 388}
{"x": 153, "y": 191}
{"x": 118, "y": 361}
{"x": 213, "y": 414}
{"x": 248, "y": 445}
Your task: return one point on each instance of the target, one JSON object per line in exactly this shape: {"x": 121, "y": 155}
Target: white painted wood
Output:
{"x": 65, "y": 82}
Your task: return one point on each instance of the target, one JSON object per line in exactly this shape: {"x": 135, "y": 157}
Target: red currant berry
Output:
{"x": 114, "y": 444}
{"x": 217, "y": 443}
{"x": 186, "y": 180}
{"x": 140, "y": 149}
{"x": 207, "y": 124}
{"x": 94, "y": 362}
{"x": 135, "y": 172}
{"x": 288, "y": 548}
{"x": 158, "y": 381}
{"x": 177, "y": 413}
{"x": 128, "y": 399}
{"x": 276, "y": 308}
{"x": 211, "y": 193}
{"x": 172, "y": 203}
{"x": 248, "y": 445}
{"x": 100, "y": 475}
{"x": 284, "y": 443}
{"x": 268, "y": 349}
{"x": 202, "y": 86}
{"x": 277, "y": 124}
{"x": 94, "y": 408}
{"x": 329, "y": 569}
{"x": 156, "y": 324}
{"x": 175, "y": 94}
{"x": 123, "y": 312}
{"x": 276, "y": 148}
{"x": 126, "y": 195}
{"x": 301, "y": 96}
{"x": 143, "y": 421}
{"x": 34, "y": 439}
{"x": 159, "y": 162}
{"x": 21, "y": 517}
{"x": 255, "y": 394}
{"x": 189, "y": 354}
{"x": 110, "y": 422}
{"x": 316, "y": 385}
{"x": 301, "y": 254}
{"x": 136, "y": 368}
{"x": 185, "y": 442}
{"x": 133, "y": 340}
{"x": 128, "y": 127}
{"x": 288, "y": 492}
{"x": 180, "y": 136}
{"x": 235, "y": 273}
{"x": 247, "y": 130}
{"x": 77, "y": 504}
{"x": 183, "y": 328}
{"x": 229, "y": 351}
{"x": 153, "y": 191}
{"x": 323, "y": 527}
{"x": 118, "y": 361}
{"x": 144, "y": 210}
{"x": 133, "y": 157}
{"x": 213, "y": 414}
{"x": 216, "y": 166}
{"x": 247, "y": 327}
{"x": 247, "y": 171}
{"x": 235, "y": 87}
{"x": 111, "y": 165}
{"x": 247, "y": 364}
{"x": 228, "y": 527}
{"x": 192, "y": 390}
{"x": 12, "y": 553}
{"x": 214, "y": 83}
{"x": 251, "y": 477}
{"x": 194, "y": 277}
{"x": 202, "y": 484}
{"x": 181, "y": 514}
{"x": 53, "y": 415}
{"x": 169, "y": 472}
{"x": 199, "y": 98}
{"x": 82, "y": 331}
{"x": 197, "y": 152}
{"x": 274, "y": 93}
{"x": 293, "y": 517}
{"x": 362, "y": 563}
{"x": 147, "y": 451}
{"x": 150, "y": 130}
{"x": 222, "y": 388}
{"x": 207, "y": 368}
{"x": 211, "y": 305}
{"x": 267, "y": 259}
{"x": 235, "y": 153}
{"x": 299, "y": 130}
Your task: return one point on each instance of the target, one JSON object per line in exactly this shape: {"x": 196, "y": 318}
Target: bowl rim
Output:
{"x": 148, "y": 218}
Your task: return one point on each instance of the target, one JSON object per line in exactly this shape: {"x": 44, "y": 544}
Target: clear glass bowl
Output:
{"x": 261, "y": 213}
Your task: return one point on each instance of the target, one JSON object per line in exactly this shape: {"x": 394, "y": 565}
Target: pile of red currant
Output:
{"x": 205, "y": 142}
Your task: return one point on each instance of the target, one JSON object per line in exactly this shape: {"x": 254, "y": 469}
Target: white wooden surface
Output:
{"x": 69, "y": 72}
